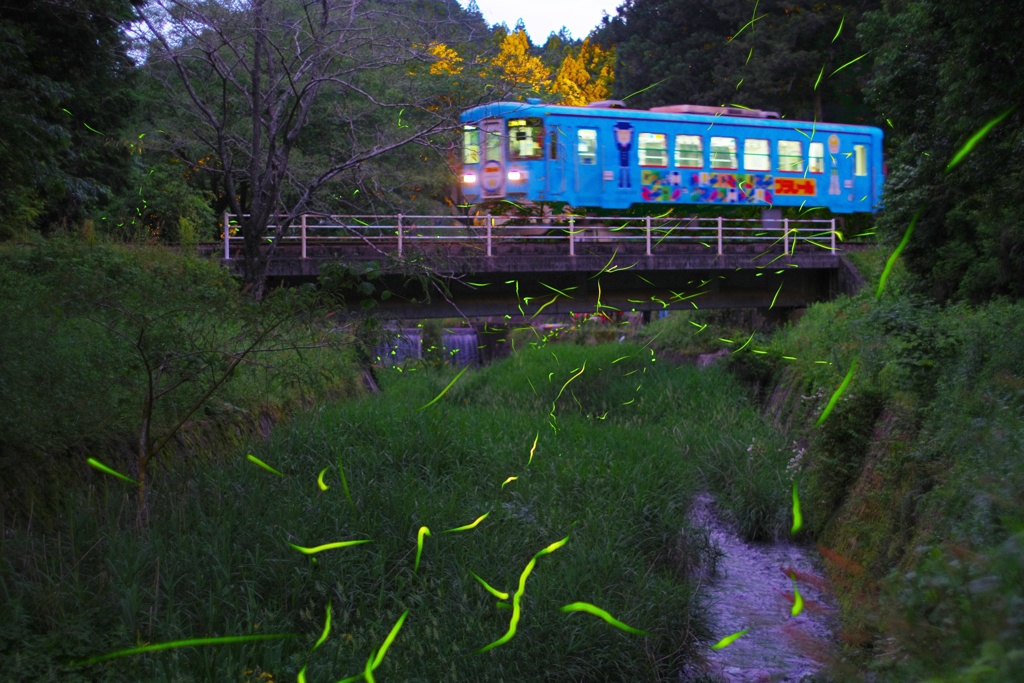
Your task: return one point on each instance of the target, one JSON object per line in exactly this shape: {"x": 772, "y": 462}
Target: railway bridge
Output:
{"x": 571, "y": 264}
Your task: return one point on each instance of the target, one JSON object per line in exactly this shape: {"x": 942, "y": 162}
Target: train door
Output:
{"x": 589, "y": 170}
{"x": 557, "y": 161}
{"x": 492, "y": 168}
{"x": 863, "y": 195}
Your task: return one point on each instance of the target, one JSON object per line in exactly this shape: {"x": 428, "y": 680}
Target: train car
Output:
{"x": 606, "y": 157}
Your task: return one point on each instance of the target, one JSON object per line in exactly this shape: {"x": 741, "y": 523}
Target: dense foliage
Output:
{"x": 111, "y": 351}
{"x": 942, "y": 70}
{"x": 66, "y": 81}
{"x": 777, "y": 55}
{"x": 913, "y": 486}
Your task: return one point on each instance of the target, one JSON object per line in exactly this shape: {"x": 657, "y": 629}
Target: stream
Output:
{"x": 751, "y": 590}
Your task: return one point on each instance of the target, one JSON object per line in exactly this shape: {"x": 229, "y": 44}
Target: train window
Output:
{"x": 756, "y": 155}
{"x": 492, "y": 150}
{"x": 723, "y": 153}
{"x": 816, "y": 162}
{"x": 586, "y": 144}
{"x": 860, "y": 159}
{"x": 791, "y": 156}
{"x": 470, "y": 145}
{"x": 689, "y": 151}
{"x": 653, "y": 150}
{"x": 525, "y": 138}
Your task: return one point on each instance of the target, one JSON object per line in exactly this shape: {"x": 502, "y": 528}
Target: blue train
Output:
{"x": 605, "y": 156}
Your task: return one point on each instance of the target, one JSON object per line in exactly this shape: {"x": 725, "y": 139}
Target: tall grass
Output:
{"x": 620, "y": 439}
{"x": 89, "y": 332}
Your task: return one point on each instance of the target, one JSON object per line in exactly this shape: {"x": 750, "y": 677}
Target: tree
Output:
{"x": 66, "y": 79}
{"x": 517, "y": 67}
{"x": 942, "y": 70}
{"x": 257, "y": 79}
{"x": 585, "y": 75}
{"x": 783, "y": 55}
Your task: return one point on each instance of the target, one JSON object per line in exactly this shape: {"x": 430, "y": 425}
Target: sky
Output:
{"x": 542, "y": 17}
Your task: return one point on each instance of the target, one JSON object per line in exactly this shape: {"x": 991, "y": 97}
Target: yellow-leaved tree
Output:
{"x": 447, "y": 61}
{"x": 585, "y": 76}
{"x": 517, "y": 67}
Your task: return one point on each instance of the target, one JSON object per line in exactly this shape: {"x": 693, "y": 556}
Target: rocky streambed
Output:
{"x": 752, "y": 589}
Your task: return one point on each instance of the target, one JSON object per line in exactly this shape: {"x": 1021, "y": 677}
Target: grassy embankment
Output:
{"x": 913, "y": 487}
{"x": 621, "y": 440}
{"x": 99, "y": 341}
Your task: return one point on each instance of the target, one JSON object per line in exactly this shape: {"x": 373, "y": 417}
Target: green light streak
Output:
{"x": 320, "y": 480}
{"x": 501, "y": 595}
{"x": 375, "y": 659}
{"x": 268, "y": 468}
{"x": 445, "y": 390}
{"x": 556, "y": 291}
{"x": 895, "y": 255}
{"x": 745, "y": 343}
{"x": 798, "y": 602}
{"x": 855, "y": 59}
{"x": 518, "y": 596}
{"x": 749, "y": 23}
{"x": 344, "y": 483}
{"x": 839, "y": 30}
{"x": 103, "y": 468}
{"x": 560, "y": 391}
{"x": 173, "y": 644}
{"x": 541, "y": 309}
{"x": 328, "y": 546}
{"x": 327, "y": 627}
{"x": 645, "y": 89}
{"x": 423, "y": 532}
{"x": 729, "y": 640}
{"x": 835, "y": 397}
{"x": 798, "y": 518}
{"x": 975, "y": 139}
{"x": 604, "y": 268}
{"x": 467, "y": 527}
{"x": 598, "y": 612}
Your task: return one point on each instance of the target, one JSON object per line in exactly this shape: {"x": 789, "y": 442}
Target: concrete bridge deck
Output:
{"x": 510, "y": 271}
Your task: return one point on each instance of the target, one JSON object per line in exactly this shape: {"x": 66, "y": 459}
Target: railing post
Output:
{"x": 648, "y": 235}
{"x": 572, "y": 237}
{"x": 227, "y": 244}
{"x": 833, "y": 236}
{"x": 785, "y": 235}
{"x": 719, "y": 235}
{"x": 303, "y": 235}
{"x": 399, "y": 234}
{"x": 490, "y": 231}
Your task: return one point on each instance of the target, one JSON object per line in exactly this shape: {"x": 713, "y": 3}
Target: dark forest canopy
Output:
{"x": 97, "y": 138}
{"x": 942, "y": 70}
{"x": 772, "y": 54}
{"x": 65, "y": 80}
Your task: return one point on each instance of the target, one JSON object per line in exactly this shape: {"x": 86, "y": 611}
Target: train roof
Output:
{"x": 674, "y": 113}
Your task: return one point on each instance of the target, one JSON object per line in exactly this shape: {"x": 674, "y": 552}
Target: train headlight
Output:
{"x": 469, "y": 178}
{"x": 516, "y": 176}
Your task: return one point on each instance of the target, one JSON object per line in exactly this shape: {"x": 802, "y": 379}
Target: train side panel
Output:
{"x": 616, "y": 159}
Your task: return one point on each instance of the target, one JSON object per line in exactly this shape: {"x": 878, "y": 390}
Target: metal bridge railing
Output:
{"x": 395, "y": 233}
